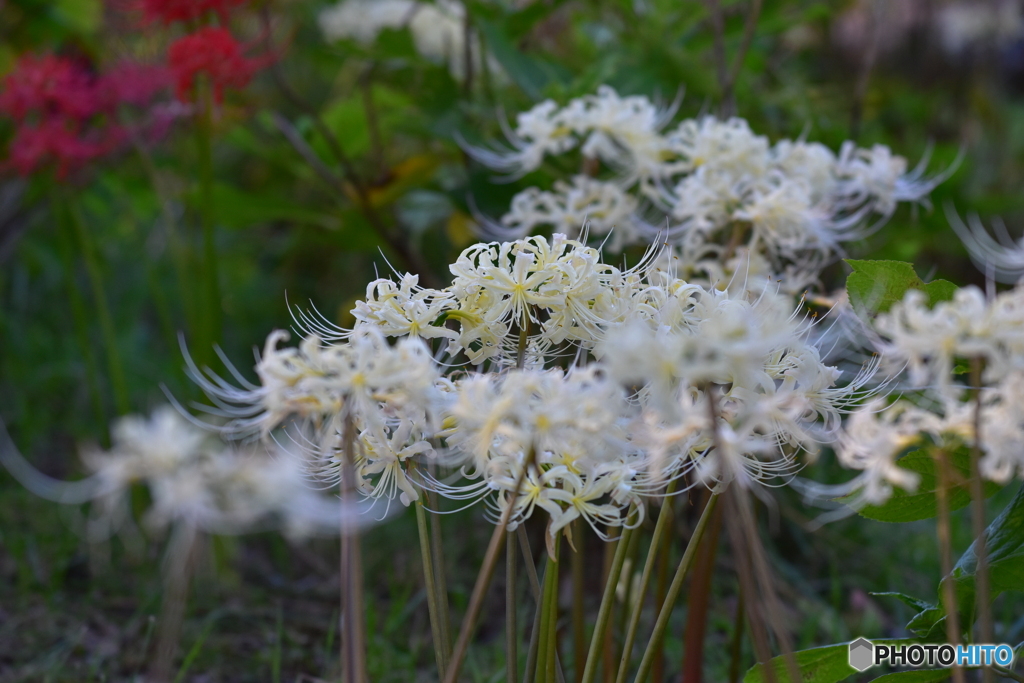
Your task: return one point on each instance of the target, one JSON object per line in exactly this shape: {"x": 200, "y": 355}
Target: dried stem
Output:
{"x": 946, "y": 553}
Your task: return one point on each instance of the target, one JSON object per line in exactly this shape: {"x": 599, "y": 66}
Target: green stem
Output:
{"x": 607, "y": 601}
{"x": 211, "y": 288}
{"x": 549, "y": 619}
{"x": 92, "y": 269}
{"x": 81, "y": 324}
{"x": 511, "y": 607}
{"x": 645, "y": 578}
{"x": 579, "y": 635}
{"x": 673, "y": 590}
{"x": 428, "y": 580}
{"x": 440, "y": 577}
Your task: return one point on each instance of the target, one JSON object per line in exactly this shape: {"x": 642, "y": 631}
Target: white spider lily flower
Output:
{"x": 873, "y": 438}
{"x": 437, "y": 28}
{"x": 584, "y": 203}
{"x": 196, "y": 479}
{"x": 405, "y": 310}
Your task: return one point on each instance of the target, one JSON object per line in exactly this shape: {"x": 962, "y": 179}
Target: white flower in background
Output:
{"x": 873, "y": 438}
{"x": 583, "y": 204}
{"x": 195, "y": 479}
{"x": 721, "y": 188}
{"x": 437, "y": 28}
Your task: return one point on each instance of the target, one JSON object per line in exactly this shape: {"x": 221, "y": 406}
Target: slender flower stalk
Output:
{"x": 673, "y": 590}
{"x": 984, "y": 592}
{"x": 483, "y": 578}
{"x": 942, "y": 529}
{"x": 426, "y": 557}
{"x": 736, "y": 644}
{"x": 579, "y": 634}
{"x": 211, "y": 288}
{"x": 548, "y": 641}
{"x": 605, "y": 610}
{"x": 92, "y": 269}
{"x": 353, "y": 638}
{"x": 511, "y": 607}
{"x": 440, "y": 581}
{"x": 177, "y": 576}
{"x": 645, "y": 578}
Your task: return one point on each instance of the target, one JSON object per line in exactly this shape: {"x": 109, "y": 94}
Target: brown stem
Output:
{"x": 942, "y": 530}
{"x": 978, "y": 524}
{"x": 699, "y": 600}
{"x": 483, "y": 579}
{"x": 353, "y": 638}
{"x": 178, "y": 568}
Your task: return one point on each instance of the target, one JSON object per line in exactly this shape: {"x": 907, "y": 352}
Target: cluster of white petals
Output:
{"x": 586, "y": 382}
{"x": 712, "y": 187}
{"x": 938, "y": 346}
{"x": 437, "y": 28}
{"x": 196, "y": 479}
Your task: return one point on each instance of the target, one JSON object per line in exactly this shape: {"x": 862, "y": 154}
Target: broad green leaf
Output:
{"x": 347, "y": 120}
{"x": 827, "y": 664}
{"x": 918, "y": 676}
{"x": 236, "y": 208}
{"x": 904, "y": 506}
{"x": 874, "y": 286}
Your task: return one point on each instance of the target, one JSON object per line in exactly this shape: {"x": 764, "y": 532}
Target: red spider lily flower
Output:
{"x": 45, "y": 85}
{"x": 169, "y": 11}
{"x": 57, "y": 142}
{"x": 214, "y": 53}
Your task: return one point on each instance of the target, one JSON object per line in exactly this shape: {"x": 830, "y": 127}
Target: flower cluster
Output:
{"x": 196, "y": 479}
{"x": 169, "y": 11}
{"x": 937, "y": 345}
{"x": 67, "y": 115}
{"x": 713, "y": 188}
{"x": 589, "y": 386}
{"x": 214, "y": 54}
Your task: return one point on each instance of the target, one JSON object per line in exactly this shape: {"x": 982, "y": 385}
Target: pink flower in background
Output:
{"x": 50, "y": 84}
{"x": 215, "y": 54}
{"x": 169, "y": 11}
{"x": 67, "y": 114}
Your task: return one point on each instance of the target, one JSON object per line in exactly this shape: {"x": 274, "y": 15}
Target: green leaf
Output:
{"x": 528, "y": 72}
{"x": 1004, "y": 545}
{"x": 346, "y": 118}
{"x": 874, "y": 286}
{"x": 904, "y": 506}
{"x": 1004, "y": 542}
{"x": 908, "y": 600}
{"x": 918, "y": 676}
{"x": 236, "y": 208}
{"x": 827, "y": 664}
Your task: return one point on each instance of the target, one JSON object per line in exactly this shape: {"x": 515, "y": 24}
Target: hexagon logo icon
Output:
{"x": 862, "y": 654}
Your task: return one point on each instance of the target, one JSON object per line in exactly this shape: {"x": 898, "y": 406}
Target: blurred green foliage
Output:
{"x": 287, "y": 233}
